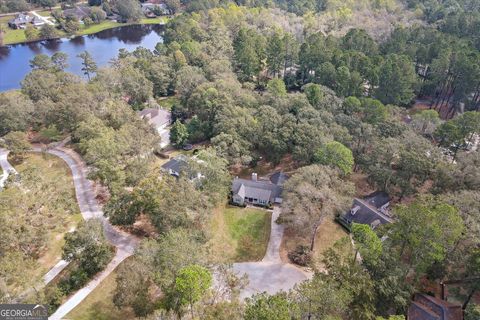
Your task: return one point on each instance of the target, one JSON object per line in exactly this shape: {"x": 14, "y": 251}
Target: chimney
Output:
{"x": 254, "y": 176}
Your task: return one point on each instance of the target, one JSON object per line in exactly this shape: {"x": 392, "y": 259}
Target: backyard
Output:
{"x": 239, "y": 234}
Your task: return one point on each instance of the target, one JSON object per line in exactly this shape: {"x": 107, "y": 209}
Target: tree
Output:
{"x": 59, "y": 60}
{"x": 275, "y": 53}
{"x": 48, "y": 32}
{"x": 264, "y": 307}
{"x": 424, "y": 231}
{"x": 17, "y": 143}
{"x": 397, "y": 80}
{"x": 367, "y": 243}
{"x": 31, "y": 33}
{"x": 249, "y": 49}
{"x": 87, "y": 246}
{"x": 310, "y": 195}
{"x": 89, "y": 65}
{"x": 129, "y": 10}
{"x": 335, "y": 154}
{"x": 42, "y": 62}
{"x": 47, "y": 3}
{"x": 16, "y": 112}
{"x": 191, "y": 284}
{"x": 178, "y": 134}
{"x": 276, "y": 87}
{"x": 173, "y": 5}
{"x": 425, "y": 122}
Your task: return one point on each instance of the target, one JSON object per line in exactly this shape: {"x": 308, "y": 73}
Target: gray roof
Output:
{"x": 21, "y": 18}
{"x": 368, "y": 211}
{"x": 177, "y": 164}
{"x": 261, "y": 190}
{"x": 156, "y": 117}
{"x": 278, "y": 178}
{"x": 81, "y": 12}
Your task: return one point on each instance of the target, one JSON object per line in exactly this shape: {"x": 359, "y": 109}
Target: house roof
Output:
{"x": 81, "y": 12}
{"x": 365, "y": 213}
{"x": 156, "y": 117}
{"x": 21, "y": 18}
{"x": 425, "y": 307}
{"x": 261, "y": 190}
{"x": 278, "y": 178}
{"x": 377, "y": 199}
{"x": 177, "y": 164}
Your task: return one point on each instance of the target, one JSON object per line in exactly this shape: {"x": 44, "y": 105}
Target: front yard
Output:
{"x": 239, "y": 234}
{"x": 328, "y": 233}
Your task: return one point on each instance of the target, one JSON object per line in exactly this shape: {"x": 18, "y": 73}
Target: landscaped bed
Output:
{"x": 239, "y": 234}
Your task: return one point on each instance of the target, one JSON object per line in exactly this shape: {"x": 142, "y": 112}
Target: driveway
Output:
{"x": 270, "y": 275}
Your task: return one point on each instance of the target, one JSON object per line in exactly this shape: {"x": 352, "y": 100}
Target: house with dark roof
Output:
{"x": 258, "y": 192}
{"x": 425, "y": 307}
{"x": 372, "y": 210}
{"x": 179, "y": 166}
{"x": 78, "y": 12}
{"x": 20, "y": 21}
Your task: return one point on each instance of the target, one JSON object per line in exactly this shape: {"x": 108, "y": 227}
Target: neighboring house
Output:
{"x": 151, "y": 9}
{"x": 79, "y": 12}
{"x": 160, "y": 119}
{"x": 258, "y": 192}
{"x": 179, "y": 166}
{"x": 373, "y": 210}
{"x": 20, "y": 21}
{"x": 425, "y": 307}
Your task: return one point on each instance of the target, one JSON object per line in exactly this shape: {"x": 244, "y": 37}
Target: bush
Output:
{"x": 302, "y": 255}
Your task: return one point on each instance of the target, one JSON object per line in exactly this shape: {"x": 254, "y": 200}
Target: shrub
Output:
{"x": 302, "y": 255}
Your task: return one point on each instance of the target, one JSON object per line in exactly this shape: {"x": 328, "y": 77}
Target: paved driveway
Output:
{"x": 270, "y": 275}
{"x": 6, "y": 167}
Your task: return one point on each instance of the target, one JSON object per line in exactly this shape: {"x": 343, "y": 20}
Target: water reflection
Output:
{"x": 103, "y": 46}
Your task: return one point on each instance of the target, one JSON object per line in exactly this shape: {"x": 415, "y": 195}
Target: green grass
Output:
{"x": 11, "y": 36}
{"x": 168, "y": 102}
{"x": 239, "y": 234}
{"x": 99, "y": 304}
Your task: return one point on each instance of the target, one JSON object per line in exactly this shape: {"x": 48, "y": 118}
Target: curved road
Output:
{"x": 271, "y": 275}
{"x": 124, "y": 243}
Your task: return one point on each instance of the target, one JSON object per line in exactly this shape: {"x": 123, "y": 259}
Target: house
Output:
{"x": 180, "y": 166}
{"x": 425, "y": 307}
{"x": 152, "y": 9}
{"x": 78, "y": 12}
{"x": 373, "y": 210}
{"x": 258, "y": 192}
{"x": 20, "y": 21}
{"x": 37, "y": 22}
{"x": 160, "y": 119}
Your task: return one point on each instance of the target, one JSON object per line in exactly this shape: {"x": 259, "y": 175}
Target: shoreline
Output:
{"x": 147, "y": 21}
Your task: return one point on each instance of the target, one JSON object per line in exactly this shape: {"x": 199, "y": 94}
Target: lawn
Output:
{"x": 239, "y": 234}
{"x": 11, "y": 35}
{"x": 328, "y": 233}
{"x": 99, "y": 304}
{"x": 54, "y": 172}
{"x": 108, "y": 24}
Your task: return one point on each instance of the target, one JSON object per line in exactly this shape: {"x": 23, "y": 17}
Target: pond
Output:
{"x": 103, "y": 46}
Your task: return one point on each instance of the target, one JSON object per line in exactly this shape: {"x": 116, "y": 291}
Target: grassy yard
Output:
{"x": 239, "y": 234}
{"x": 11, "y": 36}
{"x": 99, "y": 304}
{"x": 57, "y": 173}
{"x": 108, "y": 24}
{"x": 328, "y": 233}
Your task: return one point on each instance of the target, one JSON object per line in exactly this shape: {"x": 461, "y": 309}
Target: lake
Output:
{"x": 103, "y": 46}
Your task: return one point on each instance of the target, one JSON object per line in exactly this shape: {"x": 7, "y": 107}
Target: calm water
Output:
{"x": 103, "y": 46}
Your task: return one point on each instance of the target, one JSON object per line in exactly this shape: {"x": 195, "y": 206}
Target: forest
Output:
{"x": 322, "y": 84}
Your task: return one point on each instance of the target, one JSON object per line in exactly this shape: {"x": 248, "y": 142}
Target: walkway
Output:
{"x": 271, "y": 275}
{"x": 125, "y": 243}
{"x": 7, "y": 168}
